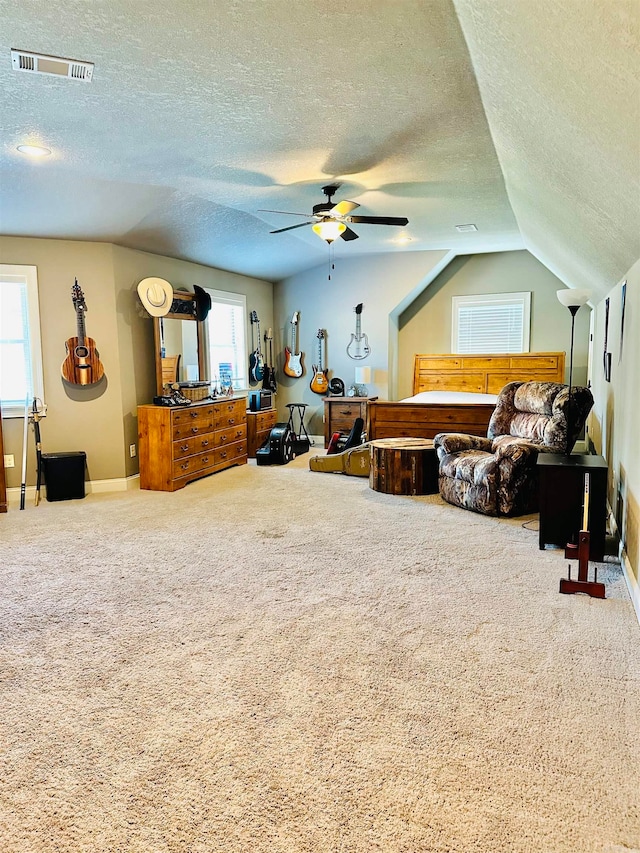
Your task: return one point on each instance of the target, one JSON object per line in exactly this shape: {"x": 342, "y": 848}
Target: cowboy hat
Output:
{"x": 203, "y": 303}
{"x": 156, "y": 295}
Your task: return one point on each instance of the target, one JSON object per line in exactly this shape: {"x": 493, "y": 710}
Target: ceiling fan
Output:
{"x": 329, "y": 220}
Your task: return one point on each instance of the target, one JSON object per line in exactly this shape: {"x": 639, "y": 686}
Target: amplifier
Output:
{"x": 259, "y": 400}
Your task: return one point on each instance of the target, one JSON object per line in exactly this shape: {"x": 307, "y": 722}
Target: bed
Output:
{"x": 457, "y": 393}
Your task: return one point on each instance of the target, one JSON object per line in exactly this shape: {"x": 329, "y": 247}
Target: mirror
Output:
{"x": 179, "y": 344}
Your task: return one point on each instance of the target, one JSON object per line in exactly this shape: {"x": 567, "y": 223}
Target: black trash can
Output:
{"x": 64, "y": 475}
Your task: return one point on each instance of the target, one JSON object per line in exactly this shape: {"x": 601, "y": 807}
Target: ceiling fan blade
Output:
{"x": 379, "y": 220}
{"x": 284, "y": 212}
{"x": 342, "y": 208}
{"x": 348, "y": 234}
{"x": 289, "y": 228}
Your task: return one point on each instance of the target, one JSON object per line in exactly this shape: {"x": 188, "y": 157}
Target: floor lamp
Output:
{"x": 572, "y": 299}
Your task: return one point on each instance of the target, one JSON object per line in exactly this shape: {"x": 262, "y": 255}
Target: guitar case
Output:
{"x": 278, "y": 448}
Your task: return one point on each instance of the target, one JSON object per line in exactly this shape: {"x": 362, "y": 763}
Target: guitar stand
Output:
{"x": 581, "y": 552}
{"x": 301, "y": 440}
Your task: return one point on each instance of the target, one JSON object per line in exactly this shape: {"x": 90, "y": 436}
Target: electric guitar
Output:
{"x": 292, "y": 359}
{"x": 358, "y": 347}
{"x": 82, "y": 366}
{"x": 319, "y": 383}
{"x": 256, "y": 361}
{"x": 269, "y": 382}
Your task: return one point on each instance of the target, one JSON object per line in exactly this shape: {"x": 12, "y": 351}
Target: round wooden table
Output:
{"x": 403, "y": 466}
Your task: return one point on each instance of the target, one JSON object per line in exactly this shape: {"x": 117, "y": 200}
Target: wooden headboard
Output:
{"x": 485, "y": 374}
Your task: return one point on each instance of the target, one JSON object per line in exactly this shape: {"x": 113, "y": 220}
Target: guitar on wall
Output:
{"x": 319, "y": 383}
{"x": 358, "y": 347}
{"x": 82, "y": 366}
{"x": 269, "y": 382}
{"x": 256, "y": 359}
{"x": 292, "y": 359}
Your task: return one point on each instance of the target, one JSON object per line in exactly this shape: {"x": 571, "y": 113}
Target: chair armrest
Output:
{"x": 517, "y": 450}
{"x": 454, "y": 442}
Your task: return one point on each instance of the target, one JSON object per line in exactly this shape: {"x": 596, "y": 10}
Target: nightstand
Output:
{"x": 561, "y": 483}
{"x": 259, "y": 425}
{"x": 341, "y": 412}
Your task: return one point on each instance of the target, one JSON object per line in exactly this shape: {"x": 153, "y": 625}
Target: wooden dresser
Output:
{"x": 179, "y": 444}
{"x": 259, "y": 425}
{"x": 341, "y": 412}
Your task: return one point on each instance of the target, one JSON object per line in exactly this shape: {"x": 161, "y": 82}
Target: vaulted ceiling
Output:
{"x": 520, "y": 117}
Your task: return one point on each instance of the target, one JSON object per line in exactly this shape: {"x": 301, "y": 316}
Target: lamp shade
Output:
{"x": 329, "y": 229}
{"x": 363, "y": 375}
{"x": 571, "y": 297}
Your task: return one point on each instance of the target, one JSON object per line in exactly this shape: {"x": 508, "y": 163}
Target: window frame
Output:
{"x": 235, "y": 299}
{"x": 28, "y": 275}
{"x": 498, "y": 299}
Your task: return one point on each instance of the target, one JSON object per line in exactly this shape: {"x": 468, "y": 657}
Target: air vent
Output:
{"x": 464, "y": 228}
{"x": 38, "y": 63}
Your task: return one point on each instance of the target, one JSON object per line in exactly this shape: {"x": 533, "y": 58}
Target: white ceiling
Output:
{"x": 521, "y": 117}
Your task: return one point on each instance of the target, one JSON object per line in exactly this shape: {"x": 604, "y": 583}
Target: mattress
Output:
{"x": 450, "y": 397}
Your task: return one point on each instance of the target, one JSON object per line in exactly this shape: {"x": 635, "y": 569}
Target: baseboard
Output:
{"x": 632, "y": 583}
{"x": 117, "y": 484}
{"x": 630, "y": 579}
{"x": 91, "y": 487}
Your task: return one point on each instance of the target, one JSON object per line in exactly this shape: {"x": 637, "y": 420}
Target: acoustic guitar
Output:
{"x": 82, "y": 366}
{"x": 292, "y": 359}
{"x": 319, "y": 383}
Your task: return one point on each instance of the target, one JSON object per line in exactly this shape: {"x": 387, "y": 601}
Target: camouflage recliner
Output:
{"x": 497, "y": 475}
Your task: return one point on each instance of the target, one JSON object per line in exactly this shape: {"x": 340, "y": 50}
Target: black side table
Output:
{"x": 561, "y": 481}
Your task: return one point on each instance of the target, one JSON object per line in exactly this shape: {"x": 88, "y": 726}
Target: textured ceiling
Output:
{"x": 200, "y": 114}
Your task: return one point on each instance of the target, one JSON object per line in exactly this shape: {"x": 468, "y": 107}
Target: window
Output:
{"x": 494, "y": 322}
{"x": 226, "y": 343}
{"x": 20, "y": 352}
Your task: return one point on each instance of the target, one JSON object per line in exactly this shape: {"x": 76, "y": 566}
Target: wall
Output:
{"x": 77, "y": 418}
{"x": 407, "y": 309}
{"x": 426, "y": 324}
{"x": 102, "y": 420}
{"x": 135, "y": 326}
{"x": 614, "y": 420}
{"x": 381, "y": 283}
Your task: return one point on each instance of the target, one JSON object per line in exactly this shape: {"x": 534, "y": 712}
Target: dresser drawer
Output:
{"x": 186, "y": 424}
{"x": 193, "y": 464}
{"x": 230, "y": 434}
{"x": 191, "y": 414}
{"x": 348, "y": 411}
{"x": 265, "y": 420}
{"x": 230, "y": 413}
{"x": 230, "y": 451}
{"x": 189, "y": 446}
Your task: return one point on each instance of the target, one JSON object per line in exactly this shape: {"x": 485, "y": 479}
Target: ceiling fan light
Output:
{"x": 329, "y": 230}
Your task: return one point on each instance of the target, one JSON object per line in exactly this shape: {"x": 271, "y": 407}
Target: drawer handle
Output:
{"x": 205, "y": 459}
{"x": 223, "y": 438}
{"x": 345, "y": 411}
{"x": 193, "y": 414}
{"x": 184, "y": 466}
{"x": 223, "y": 455}
{"x": 232, "y": 421}
{"x": 184, "y": 447}
{"x": 195, "y": 429}
{"x": 205, "y": 442}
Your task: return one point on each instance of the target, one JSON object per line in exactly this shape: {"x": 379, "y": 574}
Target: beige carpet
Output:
{"x": 279, "y": 661}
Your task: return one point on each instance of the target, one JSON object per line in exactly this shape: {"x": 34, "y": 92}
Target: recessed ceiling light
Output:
{"x": 469, "y": 227}
{"x": 34, "y": 150}
{"x": 403, "y": 238}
